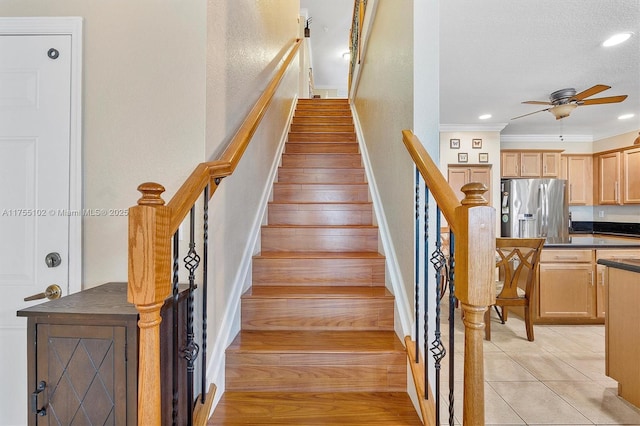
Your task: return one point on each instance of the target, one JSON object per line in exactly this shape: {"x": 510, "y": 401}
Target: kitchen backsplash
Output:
{"x": 606, "y": 219}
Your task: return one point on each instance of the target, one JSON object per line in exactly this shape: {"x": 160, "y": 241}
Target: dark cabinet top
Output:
{"x": 108, "y": 299}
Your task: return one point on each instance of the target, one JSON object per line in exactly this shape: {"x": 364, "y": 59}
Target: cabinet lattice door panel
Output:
{"x": 84, "y": 368}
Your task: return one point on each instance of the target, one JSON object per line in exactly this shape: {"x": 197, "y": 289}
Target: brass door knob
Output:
{"x": 52, "y": 292}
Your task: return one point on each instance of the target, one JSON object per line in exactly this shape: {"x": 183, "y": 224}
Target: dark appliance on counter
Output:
{"x": 534, "y": 208}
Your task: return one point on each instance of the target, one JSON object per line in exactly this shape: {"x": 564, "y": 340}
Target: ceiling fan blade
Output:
{"x": 535, "y": 112}
{"x": 607, "y": 100}
{"x": 537, "y": 103}
{"x": 590, "y": 92}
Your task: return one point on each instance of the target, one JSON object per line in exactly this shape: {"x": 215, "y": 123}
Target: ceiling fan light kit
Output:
{"x": 564, "y": 101}
{"x": 562, "y": 111}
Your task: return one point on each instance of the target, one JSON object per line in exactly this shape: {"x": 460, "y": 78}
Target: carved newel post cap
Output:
{"x": 473, "y": 194}
{"x": 151, "y": 194}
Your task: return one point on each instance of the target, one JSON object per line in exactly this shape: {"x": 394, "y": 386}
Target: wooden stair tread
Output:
{"x": 315, "y": 408}
{"x": 279, "y": 341}
{"x": 316, "y": 292}
{"x": 320, "y": 255}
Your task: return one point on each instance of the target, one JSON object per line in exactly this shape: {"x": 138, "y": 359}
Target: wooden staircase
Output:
{"x": 317, "y": 344}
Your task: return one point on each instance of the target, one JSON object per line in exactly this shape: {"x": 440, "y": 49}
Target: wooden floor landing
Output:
{"x": 282, "y": 408}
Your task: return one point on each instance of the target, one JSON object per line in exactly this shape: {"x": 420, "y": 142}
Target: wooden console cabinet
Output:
{"x": 83, "y": 358}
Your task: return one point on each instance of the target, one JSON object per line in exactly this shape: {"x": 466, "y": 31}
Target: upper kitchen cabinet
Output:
{"x": 631, "y": 176}
{"x": 618, "y": 176}
{"x": 530, "y": 164}
{"x": 608, "y": 178}
{"x": 577, "y": 169}
{"x": 458, "y": 176}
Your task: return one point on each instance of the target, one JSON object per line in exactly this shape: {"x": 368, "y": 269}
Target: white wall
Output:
{"x": 384, "y": 105}
{"x": 143, "y": 109}
{"x": 490, "y": 146}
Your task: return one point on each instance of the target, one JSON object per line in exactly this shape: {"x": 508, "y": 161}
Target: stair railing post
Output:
{"x": 148, "y": 287}
{"x": 475, "y": 289}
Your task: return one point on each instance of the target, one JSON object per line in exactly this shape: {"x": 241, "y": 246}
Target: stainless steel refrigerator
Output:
{"x": 535, "y": 208}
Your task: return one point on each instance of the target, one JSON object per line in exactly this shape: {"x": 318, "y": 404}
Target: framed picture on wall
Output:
{"x": 476, "y": 143}
{"x": 454, "y": 143}
{"x": 463, "y": 157}
{"x": 483, "y": 157}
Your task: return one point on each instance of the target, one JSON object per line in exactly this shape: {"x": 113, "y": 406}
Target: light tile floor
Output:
{"x": 558, "y": 379}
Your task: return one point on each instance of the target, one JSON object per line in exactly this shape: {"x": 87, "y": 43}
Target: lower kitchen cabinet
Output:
{"x": 566, "y": 290}
{"x": 571, "y": 286}
{"x": 83, "y": 358}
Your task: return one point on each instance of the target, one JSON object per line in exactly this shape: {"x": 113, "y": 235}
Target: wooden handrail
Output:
{"x": 438, "y": 186}
{"x": 192, "y": 188}
{"x": 151, "y": 227}
{"x": 473, "y": 223}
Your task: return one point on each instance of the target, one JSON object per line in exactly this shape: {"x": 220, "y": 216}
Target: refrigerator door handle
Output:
{"x": 545, "y": 211}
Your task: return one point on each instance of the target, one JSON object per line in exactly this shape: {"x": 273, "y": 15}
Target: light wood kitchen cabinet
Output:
{"x": 572, "y": 287}
{"x": 530, "y": 163}
{"x": 459, "y": 176}
{"x": 631, "y": 176}
{"x": 578, "y": 171}
{"x": 622, "y": 330}
{"x": 609, "y": 178}
{"x": 550, "y": 164}
{"x": 566, "y": 284}
{"x": 510, "y": 164}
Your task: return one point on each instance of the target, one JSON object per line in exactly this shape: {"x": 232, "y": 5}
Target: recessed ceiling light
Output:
{"x": 485, "y": 116}
{"x": 616, "y": 39}
{"x": 626, "y": 116}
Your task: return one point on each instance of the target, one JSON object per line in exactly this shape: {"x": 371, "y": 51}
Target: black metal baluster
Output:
{"x": 190, "y": 351}
{"x": 452, "y": 307}
{"x": 417, "y": 267}
{"x": 205, "y": 257}
{"x": 425, "y": 274}
{"x": 175, "y": 343}
{"x": 439, "y": 262}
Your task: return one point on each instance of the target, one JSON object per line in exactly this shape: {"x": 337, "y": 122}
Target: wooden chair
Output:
{"x": 517, "y": 262}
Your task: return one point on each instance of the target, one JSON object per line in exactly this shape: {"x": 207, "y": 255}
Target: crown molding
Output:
{"x": 546, "y": 138}
{"x": 488, "y": 127}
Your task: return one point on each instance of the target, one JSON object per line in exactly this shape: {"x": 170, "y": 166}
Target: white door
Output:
{"x": 35, "y": 75}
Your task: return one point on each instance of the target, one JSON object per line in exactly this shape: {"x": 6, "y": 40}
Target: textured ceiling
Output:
{"x": 494, "y": 54}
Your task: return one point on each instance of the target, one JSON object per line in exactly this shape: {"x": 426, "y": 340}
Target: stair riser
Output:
{"x": 302, "y": 214}
{"x": 323, "y": 106}
{"x": 317, "y": 193}
{"x": 320, "y": 148}
{"x": 322, "y": 112}
{"x": 311, "y": 175}
{"x": 329, "y": 161}
{"x": 321, "y": 101}
{"x": 321, "y": 137}
{"x": 319, "y": 239}
{"x": 322, "y": 120}
{"x": 314, "y": 272}
{"x": 350, "y": 378}
{"x": 317, "y": 314}
{"x": 322, "y": 128}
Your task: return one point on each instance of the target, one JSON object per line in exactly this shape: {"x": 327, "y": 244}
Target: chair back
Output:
{"x": 517, "y": 260}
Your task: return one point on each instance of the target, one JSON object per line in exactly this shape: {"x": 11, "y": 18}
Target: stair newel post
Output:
{"x": 475, "y": 289}
{"x": 148, "y": 286}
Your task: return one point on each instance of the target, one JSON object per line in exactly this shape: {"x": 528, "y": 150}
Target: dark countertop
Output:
{"x": 632, "y": 265}
{"x": 594, "y": 242}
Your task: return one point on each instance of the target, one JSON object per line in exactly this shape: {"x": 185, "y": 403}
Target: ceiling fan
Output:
{"x": 564, "y": 101}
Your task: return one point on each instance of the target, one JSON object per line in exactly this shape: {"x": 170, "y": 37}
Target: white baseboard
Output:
{"x": 403, "y": 307}
{"x": 230, "y": 325}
